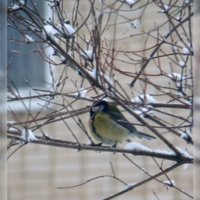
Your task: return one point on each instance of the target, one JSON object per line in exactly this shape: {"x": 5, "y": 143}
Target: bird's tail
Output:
{"x": 145, "y": 136}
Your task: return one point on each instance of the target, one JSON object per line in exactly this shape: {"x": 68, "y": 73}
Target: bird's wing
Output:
{"x": 123, "y": 122}
{"x": 120, "y": 119}
{"x": 126, "y": 124}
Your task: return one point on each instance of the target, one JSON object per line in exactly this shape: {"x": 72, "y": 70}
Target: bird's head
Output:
{"x": 99, "y": 106}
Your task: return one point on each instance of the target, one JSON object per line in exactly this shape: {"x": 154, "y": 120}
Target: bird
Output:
{"x": 109, "y": 126}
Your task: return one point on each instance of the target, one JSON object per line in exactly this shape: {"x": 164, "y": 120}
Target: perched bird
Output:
{"x": 108, "y": 125}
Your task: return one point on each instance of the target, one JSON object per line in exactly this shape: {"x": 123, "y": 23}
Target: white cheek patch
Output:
{"x": 97, "y": 108}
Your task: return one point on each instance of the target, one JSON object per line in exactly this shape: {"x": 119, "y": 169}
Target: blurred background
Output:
{"x": 34, "y": 171}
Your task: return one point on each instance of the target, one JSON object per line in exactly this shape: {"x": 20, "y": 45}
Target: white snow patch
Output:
{"x": 81, "y": 93}
{"x": 143, "y": 170}
{"x": 137, "y": 100}
{"x": 51, "y": 31}
{"x": 129, "y": 185}
{"x": 142, "y": 111}
{"x": 115, "y": 78}
{"x": 130, "y": 2}
{"x": 88, "y": 54}
{"x": 89, "y": 143}
{"x": 175, "y": 76}
{"x": 12, "y": 129}
{"x": 147, "y": 98}
{"x": 171, "y": 153}
{"x": 15, "y": 7}
{"x": 51, "y": 4}
{"x": 175, "y": 48}
{"x": 184, "y": 153}
{"x": 185, "y": 134}
{"x": 166, "y": 7}
{"x": 108, "y": 79}
{"x": 92, "y": 73}
{"x": 139, "y": 112}
{"x": 146, "y": 110}
{"x": 136, "y": 23}
{"x": 181, "y": 63}
{"x": 28, "y": 39}
{"x": 28, "y": 135}
{"x": 66, "y": 29}
{"x": 63, "y": 59}
{"x": 136, "y": 146}
{"x": 169, "y": 183}
{"x": 10, "y": 123}
{"x": 22, "y": 1}
{"x": 186, "y": 50}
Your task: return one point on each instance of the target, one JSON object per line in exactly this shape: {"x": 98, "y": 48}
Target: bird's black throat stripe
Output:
{"x": 93, "y": 128}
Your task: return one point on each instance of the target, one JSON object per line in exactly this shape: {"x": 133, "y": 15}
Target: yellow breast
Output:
{"x": 104, "y": 129}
